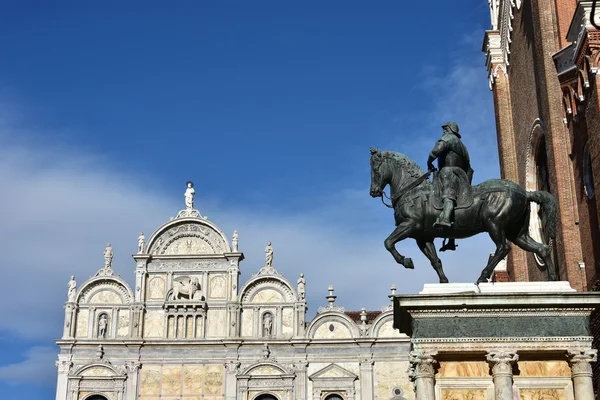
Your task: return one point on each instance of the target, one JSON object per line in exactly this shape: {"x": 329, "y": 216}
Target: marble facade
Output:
{"x": 189, "y": 329}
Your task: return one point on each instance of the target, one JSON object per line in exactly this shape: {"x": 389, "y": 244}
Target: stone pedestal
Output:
{"x": 503, "y": 324}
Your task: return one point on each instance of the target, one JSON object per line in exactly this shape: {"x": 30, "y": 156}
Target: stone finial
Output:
{"x": 363, "y": 316}
{"x": 141, "y": 243}
{"x": 331, "y": 299}
{"x": 234, "y": 242}
{"x": 266, "y": 352}
{"x": 72, "y": 289}
{"x": 100, "y": 352}
{"x": 393, "y": 289}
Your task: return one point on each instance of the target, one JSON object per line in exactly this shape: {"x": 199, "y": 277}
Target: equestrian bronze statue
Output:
{"x": 451, "y": 208}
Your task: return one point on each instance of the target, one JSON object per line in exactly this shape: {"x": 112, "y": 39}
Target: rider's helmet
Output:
{"x": 453, "y": 127}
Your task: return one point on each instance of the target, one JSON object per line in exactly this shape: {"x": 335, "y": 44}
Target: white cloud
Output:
{"x": 37, "y": 367}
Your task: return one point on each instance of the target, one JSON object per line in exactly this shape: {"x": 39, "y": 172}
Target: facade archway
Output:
{"x": 96, "y": 397}
{"x": 266, "y": 396}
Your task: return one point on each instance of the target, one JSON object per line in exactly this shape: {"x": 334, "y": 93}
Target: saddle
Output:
{"x": 465, "y": 192}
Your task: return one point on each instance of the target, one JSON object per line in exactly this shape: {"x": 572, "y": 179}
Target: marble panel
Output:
{"x": 217, "y": 287}
{"x": 213, "y": 384}
{"x": 387, "y": 376}
{"x": 156, "y": 287}
{"x": 216, "y": 322}
{"x": 464, "y": 394}
{"x": 189, "y": 327}
{"x": 247, "y": 315}
{"x": 171, "y": 327}
{"x": 150, "y": 377}
{"x": 105, "y": 297}
{"x": 123, "y": 324}
{"x": 332, "y": 330}
{"x": 544, "y": 369}
{"x": 154, "y": 323}
{"x": 542, "y": 394}
{"x": 268, "y": 296}
{"x": 81, "y": 329}
{"x": 387, "y": 330}
{"x": 171, "y": 380}
{"x": 467, "y": 369}
{"x": 287, "y": 328}
{"x": 193, "y": 379}
{"x": 180, "y": 326}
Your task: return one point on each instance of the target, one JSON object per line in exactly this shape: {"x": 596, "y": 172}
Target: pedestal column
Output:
{"x": 581, "y": 371}
{"x": 131, "y": 384}
{"x": 64, "y": 366}
{"x": 502, "y": 371}
{"x": 300, "y": 385}
{"x": 423, "y": 374}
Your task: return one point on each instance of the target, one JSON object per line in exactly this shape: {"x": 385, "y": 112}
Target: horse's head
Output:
{"x": 377, "y": 176}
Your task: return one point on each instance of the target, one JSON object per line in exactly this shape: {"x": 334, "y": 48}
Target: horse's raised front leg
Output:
{"x": 400, "y": 233}
{"x": 428, "y": 248}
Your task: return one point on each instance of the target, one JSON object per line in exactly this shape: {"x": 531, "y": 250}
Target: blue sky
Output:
{"x": 107, "y": 109}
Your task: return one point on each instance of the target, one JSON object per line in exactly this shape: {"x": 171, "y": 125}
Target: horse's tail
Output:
{"x": 548, "y": 205}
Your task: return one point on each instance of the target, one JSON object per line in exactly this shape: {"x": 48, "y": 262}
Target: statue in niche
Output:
{"x": 189, "y": 196}
{"x": 108, "y": 256}
{"x": 188, "y": 290}
{"x": 302, "y": 287}
{"x": 234, "y": 242}
{"x": 267, "y": 325}
{"x": 72, "y": 286}
{"x": 102, "y": 325}
{"x": 269, "y": 255}
{"x": 141, "y": 242}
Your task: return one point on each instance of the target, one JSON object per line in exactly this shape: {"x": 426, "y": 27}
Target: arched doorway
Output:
{"x": 334, "y": 397}
{"x": 266, "y": 397}
{"x": 96, "y": 397}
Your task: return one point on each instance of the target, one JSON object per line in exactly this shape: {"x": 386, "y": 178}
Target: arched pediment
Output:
{"x": 270, "y": 289}
{"x": 383, "y": 326}
{"x": 97, "y": 370}
{"x": 105, "y": 290}
{"x": 186, "y": 236}
{"x": 265, "y": 369}
{"x": 332, "y": 325}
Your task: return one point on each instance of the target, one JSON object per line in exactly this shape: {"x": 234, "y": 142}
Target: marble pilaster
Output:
{"x": 64, "y": 366}
{"x": 581, "y": 370}
{"x": 502, "y": 372}
{"x": 366, "y": 379}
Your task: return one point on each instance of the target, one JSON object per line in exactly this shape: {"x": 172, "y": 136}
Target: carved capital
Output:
{"x": 580, "y": 362}
{"x": 502, "y": 362}
{"x": 64, "y": 366}
{"x": 300, "y": 366}
{"x": 131, "y": 367}
{"x": 233, "y": 367}
{"x": 423, "y": 365}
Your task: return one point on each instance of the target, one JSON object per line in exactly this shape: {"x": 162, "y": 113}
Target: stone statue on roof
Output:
{"x": 269, "y": 255}
{"x": 189, "y": 196}
{"x": 108, "y": 256}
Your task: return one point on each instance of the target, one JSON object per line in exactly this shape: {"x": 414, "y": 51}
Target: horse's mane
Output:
{"x": 405, "y": 162}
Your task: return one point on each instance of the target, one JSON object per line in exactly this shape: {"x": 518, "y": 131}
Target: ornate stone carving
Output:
{"x": 108, "y": 256}
{"x": 141, "y": 243}
{"x": 102, "y": 326}
{"x": 267, "y": 324}
{"x": 302, "y": 287}
{"x": 423, "y": 365}
{"x": 502, "y": 362}
{"x": 331, "y": 299}
{"x": 72, "y": 289}
{"x": 64, "y": 366}
{"x": 100, "y": 352}
{"x": 233, "y": 367}
{"x": 580, "y": 362}
{"x": 186, "y": 288}
{"x": 234, "y": 242}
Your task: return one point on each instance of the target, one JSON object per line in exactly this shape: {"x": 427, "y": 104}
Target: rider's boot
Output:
{"x": 450, "y": 245}
{"x": 444, "y": 219}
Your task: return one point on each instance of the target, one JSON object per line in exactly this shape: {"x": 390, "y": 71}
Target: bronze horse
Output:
{"x": 500, "y": 208}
